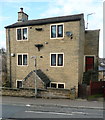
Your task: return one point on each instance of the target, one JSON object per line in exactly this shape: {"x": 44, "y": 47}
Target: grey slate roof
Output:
{"x": 41, "y": 74}
{"x": 47, "y": 21}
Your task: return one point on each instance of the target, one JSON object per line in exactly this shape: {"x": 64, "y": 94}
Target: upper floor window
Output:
{"x": 57, "y": 59}
{"x": 22, "y": 33}
{"x": 57, "y": 31}
{"x": 22, "y": 59}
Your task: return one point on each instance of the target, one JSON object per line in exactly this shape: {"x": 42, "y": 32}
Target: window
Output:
{"x": 53, "y": 85}
{"x": 19, "y": 59}
{"x": 22, "y": 34}
{"x": 57, "y": 85}
{"x": 57, "y": 31}
{"x": 60, "y": 59}
{"x": 19, "y": 83}
{"x": 60, "y": 31}
{"x": 53, "y": 31}
{"x": 19, "y": 34}
{"x": 57, "y": 59}
{"x": 60, "y": 85}
{"x": 53, "y": 59}
{"x": 22, "y": 59}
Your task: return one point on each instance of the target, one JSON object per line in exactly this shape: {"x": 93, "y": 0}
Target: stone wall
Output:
{"x": 91, "y": 42}
{"x": 30, "y": 82}
{"x": 70, "y": 73}
{"x": 41, "y": 93}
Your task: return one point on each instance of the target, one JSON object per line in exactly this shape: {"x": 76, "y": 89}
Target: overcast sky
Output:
{"x": 50, "y": 8}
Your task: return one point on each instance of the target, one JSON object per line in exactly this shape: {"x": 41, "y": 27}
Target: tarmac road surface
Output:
{"x": 16, "y": 107}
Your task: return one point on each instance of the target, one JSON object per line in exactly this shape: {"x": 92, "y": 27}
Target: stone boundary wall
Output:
{"x": 41, "y": 93}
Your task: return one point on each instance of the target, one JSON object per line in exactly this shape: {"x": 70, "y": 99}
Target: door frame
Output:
{"x": 84, "y": 69}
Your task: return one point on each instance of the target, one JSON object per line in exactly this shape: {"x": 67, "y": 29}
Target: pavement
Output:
{"x": 77, "y": 103}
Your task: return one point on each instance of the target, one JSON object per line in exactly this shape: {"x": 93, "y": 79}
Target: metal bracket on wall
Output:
{"x": 39, "y": 46}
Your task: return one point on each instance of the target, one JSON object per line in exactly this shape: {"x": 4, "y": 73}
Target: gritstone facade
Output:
{"x": 54, "y": 51}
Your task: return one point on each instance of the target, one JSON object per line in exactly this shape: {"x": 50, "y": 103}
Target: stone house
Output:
{"x": 60, "y": 47}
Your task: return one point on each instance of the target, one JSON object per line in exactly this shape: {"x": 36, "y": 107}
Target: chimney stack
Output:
{"x": 22, "y": 17}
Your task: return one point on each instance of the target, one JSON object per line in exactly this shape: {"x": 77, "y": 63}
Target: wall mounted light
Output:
{"x": 12, "y": 54}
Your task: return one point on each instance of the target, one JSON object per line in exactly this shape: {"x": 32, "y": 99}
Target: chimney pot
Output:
{"x": 21, "y": 9}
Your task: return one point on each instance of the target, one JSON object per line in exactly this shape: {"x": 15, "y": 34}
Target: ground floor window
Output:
{"x": 19, "y": 84}
{"x": 57, "y": 85}
{"x": 22, "y": 59}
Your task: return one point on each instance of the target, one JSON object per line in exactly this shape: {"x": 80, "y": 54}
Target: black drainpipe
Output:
{"x": 9, "y": 56}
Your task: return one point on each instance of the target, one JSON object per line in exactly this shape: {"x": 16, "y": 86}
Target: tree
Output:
{"x": 2, "y": 51}
{"x": 3, "y": 67}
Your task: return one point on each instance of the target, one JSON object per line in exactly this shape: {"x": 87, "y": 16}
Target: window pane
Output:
{"x": 53, "y": 31}
{"x": 24, "y": 33}
{"x": 53, "y": 59}
{"x": 19, "y": 59}
{"x": 60, "y": 31}
{"x": 60, "y": 85}
{"x": 53, "y": 85}
{"x": 60, "y": 59}
{"x": 24, "y": 59}
{"x": 18, "y": 34}
{"x": 19, "y": 84}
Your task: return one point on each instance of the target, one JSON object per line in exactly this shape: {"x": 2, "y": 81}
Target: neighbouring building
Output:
{"x": 60, "y": 47}
{"x": 101, "y": 69}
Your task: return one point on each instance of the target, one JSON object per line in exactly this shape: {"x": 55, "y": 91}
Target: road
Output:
{"x": 13, "y": 107}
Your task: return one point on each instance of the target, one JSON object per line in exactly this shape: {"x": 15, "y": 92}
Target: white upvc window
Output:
{"x": 57, "y": 85}
{"x": 19, "y": 83}
{"x": 56, "y": 59}
{"x": 22, "y": 34}
{"x": 22, "y": 59}
{"x": 57, "y": 31}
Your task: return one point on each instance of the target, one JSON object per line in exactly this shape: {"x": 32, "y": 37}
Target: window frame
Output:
{"x": 22, "y": 58}
{"x": 22, "y": 34}
{"x": 57, "y": 83}
{"x": 17, "y": 84}
{"x": 56, "y": 31}
{"x": 57, "y": 60}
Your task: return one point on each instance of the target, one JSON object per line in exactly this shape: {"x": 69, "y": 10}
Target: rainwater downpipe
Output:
{"x": 9, "y": 56}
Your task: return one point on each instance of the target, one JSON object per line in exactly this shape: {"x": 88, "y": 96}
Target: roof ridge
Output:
{"x": 57, "y": 19}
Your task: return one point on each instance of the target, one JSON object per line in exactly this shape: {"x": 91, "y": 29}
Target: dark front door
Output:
{"x": 89, "y": 63}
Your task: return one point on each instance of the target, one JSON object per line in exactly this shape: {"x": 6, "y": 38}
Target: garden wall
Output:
{"x": 41, "y": 93}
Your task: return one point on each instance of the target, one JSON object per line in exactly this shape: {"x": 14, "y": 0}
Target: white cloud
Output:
{"x": 69, "y": 7}
{"x": 18, "y": 1}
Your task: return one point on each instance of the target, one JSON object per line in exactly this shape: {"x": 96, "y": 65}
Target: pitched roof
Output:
{"x": 41, "y": 74}
{"x": 47, "y": 21}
